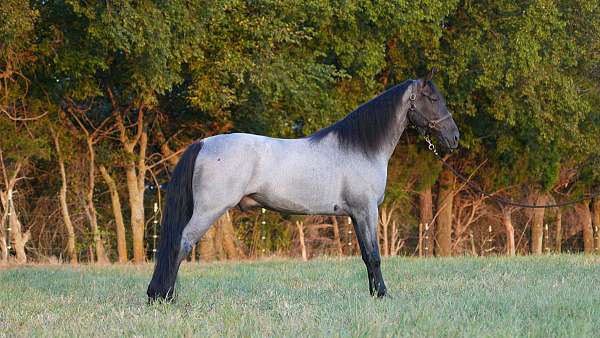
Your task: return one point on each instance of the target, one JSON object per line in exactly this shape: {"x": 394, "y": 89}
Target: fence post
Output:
{"x": 154, "y": 235}
{"x": 427, "y": 242}
{"x": 546, "y": 239}
{"x": 8, "y": 230}
{"x": 420, "y": 239}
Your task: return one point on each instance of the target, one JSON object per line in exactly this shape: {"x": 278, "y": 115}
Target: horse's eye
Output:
{"x": 433, "y": 97}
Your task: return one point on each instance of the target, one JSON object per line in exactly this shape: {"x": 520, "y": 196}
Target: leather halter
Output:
{"x": 431, "y": 124}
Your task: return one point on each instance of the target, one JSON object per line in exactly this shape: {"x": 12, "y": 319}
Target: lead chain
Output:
{"x": 431, "y": 145}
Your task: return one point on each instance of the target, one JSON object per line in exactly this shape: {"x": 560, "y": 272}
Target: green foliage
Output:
{"x": 514, "y": 74}
{"x": 266, "y": 64}
{"x": 18, "y": 145}
{"x": 273, "y": 66}
{"x": 17, "y": 22}
{"x": 136, "y": 48}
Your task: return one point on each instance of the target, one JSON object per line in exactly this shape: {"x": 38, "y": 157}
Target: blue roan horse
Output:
{"x": 339, "y": 170}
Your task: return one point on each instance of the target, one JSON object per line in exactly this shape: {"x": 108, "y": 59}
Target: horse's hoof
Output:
{"x": 160, "y": 298}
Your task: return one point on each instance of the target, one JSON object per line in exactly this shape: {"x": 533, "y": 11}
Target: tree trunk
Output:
{"x": 596, "y": 222}
{"x": 3, "y": 249}
{"x": 15, "y": 234}
{"x": 384, "y": 221}
{"x": 193, "y": 255}
{"x": 472, "y": 241}
{"x": 229, "y": 247}
{"x": 336, "y": 235}
{"x": 118, "y": 214}
{"x": 444, "y": 219}
{"x": 64, "y": 208}
{"x": 136, "y": 205}
{"x": 218, "y": 240}
{"x": 585, "y": 217}
{"x": 207, "y": 245}
{"x": 90, "y": 208}
{"x": 426, "y": 216}
{"x": 19, "y": 238}
{"x": 3, "y": 234}
{"x": 395, "y": 244}
{"x": 558, "y": 233}
{"x": 141, "y": 176}
{"x": 385, "y": 235}
{"x": 537, "y": 226}
{"x": 135, "y": 175}
{"x": 510, "y": 232}
{"x": 300, "y": 227}
{"x": 67, "y": 220}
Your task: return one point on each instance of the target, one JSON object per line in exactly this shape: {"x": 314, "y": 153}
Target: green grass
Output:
{"x": 525, "y": 296}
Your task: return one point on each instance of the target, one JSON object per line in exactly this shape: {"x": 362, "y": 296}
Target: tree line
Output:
{"x": 98, "y": 99}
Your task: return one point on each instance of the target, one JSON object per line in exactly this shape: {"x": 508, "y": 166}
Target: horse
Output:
{"x": 340, "y": 170}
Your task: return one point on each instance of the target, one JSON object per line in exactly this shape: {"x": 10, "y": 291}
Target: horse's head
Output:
{"x": 428, "y": 112}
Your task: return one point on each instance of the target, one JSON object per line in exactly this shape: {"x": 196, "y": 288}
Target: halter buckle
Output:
{"x": 412, "y": 97}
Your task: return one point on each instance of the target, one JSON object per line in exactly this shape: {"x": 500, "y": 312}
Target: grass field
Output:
{"x": 525, "y": 296}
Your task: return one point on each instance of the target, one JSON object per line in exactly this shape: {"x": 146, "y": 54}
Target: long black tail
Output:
{"x": 178, "y": 210}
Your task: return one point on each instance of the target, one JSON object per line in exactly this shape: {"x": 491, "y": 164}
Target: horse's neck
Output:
{"x": 398, "y": 127}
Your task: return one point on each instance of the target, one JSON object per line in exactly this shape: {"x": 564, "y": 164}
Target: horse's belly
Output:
{"x": 292, "y": 205}
{"x": 299, "y": 196}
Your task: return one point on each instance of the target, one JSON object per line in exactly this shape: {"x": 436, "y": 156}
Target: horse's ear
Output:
{"x": 428, "y": 77}
{"x": 431, "y": 73}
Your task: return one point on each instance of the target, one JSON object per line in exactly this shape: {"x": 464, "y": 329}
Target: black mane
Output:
{"x": 369, "y": 126}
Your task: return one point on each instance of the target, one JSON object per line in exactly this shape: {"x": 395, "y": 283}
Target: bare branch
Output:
{"x": 168, "y": 157}
{"x": 140, "y": 124}
{"x": 15, "y": 118}
{"x": 456, "y": 191}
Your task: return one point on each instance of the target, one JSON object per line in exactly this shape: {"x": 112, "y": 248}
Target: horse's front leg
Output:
{"x": 361, "y": 243}
{"x": 365, "y": 226}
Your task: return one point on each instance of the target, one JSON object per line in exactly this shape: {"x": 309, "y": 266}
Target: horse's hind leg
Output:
{"x": 365, "y": 226}
{"x": 198, "y": 225}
